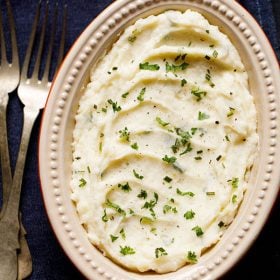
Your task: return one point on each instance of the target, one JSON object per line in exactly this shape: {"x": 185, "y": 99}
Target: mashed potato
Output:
{"x": 164, "y": 140}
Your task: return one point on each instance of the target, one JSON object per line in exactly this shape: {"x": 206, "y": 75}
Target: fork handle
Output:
{"x": 11, "y": 212}
{"x": 4, "y": 153}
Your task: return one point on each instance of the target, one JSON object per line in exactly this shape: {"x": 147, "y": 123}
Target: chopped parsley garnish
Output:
{"x": 208, "y": 78}
{"x": 105, "y": 217}
{"x": 113, "y": 238}
{"x": 230, "y": 112}
{"x": 198, "y": 158}
{"x": 88, "y": 169}
{"x": 174, "y": 68}
{"x": 207, "y": 31}
{"x": 137, "y": 175}
{"x": 183, "y": 82}
{"x": 180, "y": 56}
{"x": 159, "y": 252}
{"x": 167, "y": 208}
{"x": 125, "y": 187}
{"x": 115, "y": 68}
{"x": 125, "y": 94}
{"x": 148, "y": 66}
{"x": 193, "y": 130}
{"x": 131, "y": 39}
{"x": 146, "y": 221}
{"x": 187, "y": 150}
{"x": 126, "y": 250}
{"x": 116, "y": 207}
{"x": 210, "y": 193}
{"x": 198, "y": 93}
{"x": 215, "y": 54}
{"x": 140, "y": 97}
{"x": 179, "y": 192}
{"x": 83, "y": 182}
{"x": 167, "y": 179}
{"x": 142, "y": 194}
{"x": 134, "y": 146}
{"x": 202, "y": 116}
{"x": 189, "y": 215}
{"x": 192, "y": 258}
{"x": 221, "y": 224}
{"x": 234, "y": 182}
{"x": 207, "y": 57}
{"x": 234, "y": 198}
{"x": 151, "y": 204}
{"x": 168, "y": 159}
{"x": 198, "y": 231}
{"x": 104, "y": 110}
{"x": 122, "y": 233}
{"x": 100, "y": 146}
{"x": 124, "y": 134}
{"x": 161, "y": 122}
{"x": 227, "y": 138}
{"x": 115, "y": 106}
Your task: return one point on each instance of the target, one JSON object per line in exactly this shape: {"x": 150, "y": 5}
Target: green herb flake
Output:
{"x": 161, "y": 122}
{"x": 148, "y": 66}
{"x": 126, "y": 250}
{"x": 167, "y": 179}
{"x": 211, "y": 46}
{"x": 210, "y": 193}
{"x": 215, "y": 54}
{"x": 207, "y": 57}
{"x": 159, "y": 252}
{"x": 183, "y": 82}
{"x": 169, "y": 160}
{"x": 192, "y": 258}
{"x": 187, "y": 150}
{"x": 166, "y": 208}
{"x": 88, "y": 169}
{"x": 83, "y": 182}
{"x": 230, "y": 112}
{"x": 202, "y": 116}
{"x": 227, "y": 138}
{"x": 198, "y": 158}
{"x": 134, "y": 146}
{"x": 146, "y": 221}
{"x": 234, "y": 182}
{"x": 218, "y": 158}
{"x": 124, "y": 135}
{"x": 132, "y": 38}
{"x": 234, "y": 198}
{"x": 174, "y": 68}
{"x": 193, "y": 130}
{"x": 208, "y": 78}
{"x": 122, "y": 233}
{"x": 113, "y": 238}
{"x": 140, "y": 177}
{"x": 198, "y": 231}
{"x": 115, "y": 68}
{"x": 189, "y": 215}
{"x": 198, "y": 93}
{"x": 105, "y": 218}
{"x": 125, "y": 94}
{"x": 140, "y": 97}
{"x": 143, "y": 194}
{"x": 125, "y": 187}
{"x": 114, "y": 105}
{"x": 116, "y": 207}
{"x": 179, "y": 192}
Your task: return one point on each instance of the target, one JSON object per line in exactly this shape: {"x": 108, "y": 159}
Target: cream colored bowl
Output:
{"x": 55, "y": 155}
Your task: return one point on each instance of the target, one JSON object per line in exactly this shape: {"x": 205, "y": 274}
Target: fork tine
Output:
{"x": 62, "y": 40}
{"x": 15, "y": 57}
{"x": 45, "y": 77}
{"x": 26, "y": 62}
{"x": 2, "y": 43}
{"x": 41, "y": 43}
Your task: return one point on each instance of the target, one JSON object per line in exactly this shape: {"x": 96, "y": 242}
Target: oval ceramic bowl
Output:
{"x": 55, "y": 154}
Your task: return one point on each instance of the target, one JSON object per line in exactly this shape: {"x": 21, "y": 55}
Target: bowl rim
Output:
{"x": 57, "y": 215}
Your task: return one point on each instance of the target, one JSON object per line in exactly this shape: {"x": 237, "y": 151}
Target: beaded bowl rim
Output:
{"x": 52, "y": 156}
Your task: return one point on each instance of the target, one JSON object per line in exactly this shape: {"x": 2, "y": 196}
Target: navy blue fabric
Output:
{"x": 49, "y": 261}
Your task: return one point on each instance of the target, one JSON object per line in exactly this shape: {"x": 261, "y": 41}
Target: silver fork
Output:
{"x": 33, "y": 93}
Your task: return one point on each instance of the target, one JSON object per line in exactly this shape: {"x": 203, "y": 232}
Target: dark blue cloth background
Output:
{"x": 49, "y": 261}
